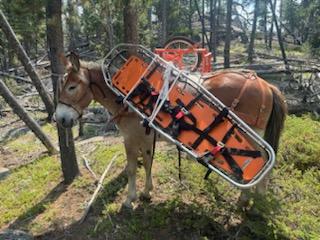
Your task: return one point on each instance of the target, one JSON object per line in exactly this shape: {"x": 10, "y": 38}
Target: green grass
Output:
{"x": 197, "y": 209}
{"x": 22, "y": 191}
{"x": 29, "y": 143}
{"x": 300, "y": 143}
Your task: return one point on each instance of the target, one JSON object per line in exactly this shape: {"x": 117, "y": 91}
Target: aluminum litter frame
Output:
{"x": 152, "y": 58}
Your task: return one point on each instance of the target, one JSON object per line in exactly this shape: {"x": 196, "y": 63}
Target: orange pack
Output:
{"x": 191, "y": 120}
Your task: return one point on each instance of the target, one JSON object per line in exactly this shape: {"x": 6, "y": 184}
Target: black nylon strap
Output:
{"x": 156, "y": 65}
{"x": 193, "y": 101}
{"x": 244, "y": 152}
{"x": 149, "y": 105}
{"x": 144, "y": 85}
{"x": 69, "y": 105}
{"x": 179, "y": 124}
{"x": 179, "y": 162}
{"x": 233, "y": 165}
{"x": 228, "y": 134}
{"x": 215, "y": 122}
{"x": 207, "y": 174}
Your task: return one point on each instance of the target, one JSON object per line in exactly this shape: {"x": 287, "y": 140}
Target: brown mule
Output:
{"x": 258, "y": 103}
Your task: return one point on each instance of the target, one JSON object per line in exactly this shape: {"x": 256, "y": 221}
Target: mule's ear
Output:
{"x": 75, "y": 62}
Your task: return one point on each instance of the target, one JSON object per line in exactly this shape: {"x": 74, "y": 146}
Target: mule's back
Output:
{"x": 245, "y": 93}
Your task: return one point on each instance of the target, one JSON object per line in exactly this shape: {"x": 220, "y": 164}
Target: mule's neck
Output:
{"x": 101, "y": 91}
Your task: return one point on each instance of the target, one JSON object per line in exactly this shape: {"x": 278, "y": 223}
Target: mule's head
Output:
{"x": 74, "y": 93}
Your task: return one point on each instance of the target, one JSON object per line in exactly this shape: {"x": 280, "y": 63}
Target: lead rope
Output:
{"x": 67, "y": 138}
{"x": 153, "y": 146}
{"x": 179, "y": 162}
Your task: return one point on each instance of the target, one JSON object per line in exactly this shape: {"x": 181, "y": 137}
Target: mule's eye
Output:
{"x": 71, "y": 88}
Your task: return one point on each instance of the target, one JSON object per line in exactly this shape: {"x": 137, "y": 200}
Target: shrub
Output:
{"x": 300, "y": 143}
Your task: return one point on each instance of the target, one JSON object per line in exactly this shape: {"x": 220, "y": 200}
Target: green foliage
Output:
{"x": 27, "y": 19}
{"x": 303, "y": 19}
{"x": 301, "y": 143}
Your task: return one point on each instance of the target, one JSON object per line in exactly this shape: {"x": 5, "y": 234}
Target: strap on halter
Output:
{"x": 69, "y": 105}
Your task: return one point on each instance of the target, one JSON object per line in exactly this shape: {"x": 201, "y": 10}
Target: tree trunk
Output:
{"x": 271, "y": 28}
{"x": 25, "y": 60}
{"x": 284, "y": 57}
{"x": 218, "y": 15}
{"x": 213, "y": 28}
{"x": 23, "y": 115}
{"x": 72, "y": 25}
{"x": 190, "y": 19}
{"x": 203, "y": 24}
{"x": 228, "y": 35}
{"x": 109, "y": 25}
{"x": 265, "y": 21}
{"x": 130, "y": 22}
{"x": 55, "y": 43}
{"x": 280, "y": 13}
{"x": 201, "y": 17}
{"x": 164, "y": 13}
{"x": 253, "y": 32}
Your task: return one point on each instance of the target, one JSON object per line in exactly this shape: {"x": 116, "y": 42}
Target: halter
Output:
{"x": 69, "y": 105}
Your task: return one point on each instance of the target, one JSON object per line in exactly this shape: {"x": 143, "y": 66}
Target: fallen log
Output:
{"x": 30, "y": 122}
{"x": 302, "y": 108}
{"x": 99, "y": 186}
{"x": 18, "y": 78}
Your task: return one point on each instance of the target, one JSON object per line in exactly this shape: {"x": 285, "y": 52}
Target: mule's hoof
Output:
{"x": 145, "y": 197}
{"x": 243, "y": 202}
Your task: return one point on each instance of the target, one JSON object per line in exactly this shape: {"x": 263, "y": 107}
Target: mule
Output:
{"x": 258, "y": 103}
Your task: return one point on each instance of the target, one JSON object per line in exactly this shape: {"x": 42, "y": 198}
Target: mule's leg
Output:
{"x": 132, "y": 151}
{"x": 147, "y": 163}
{"x": 261, "y": 187}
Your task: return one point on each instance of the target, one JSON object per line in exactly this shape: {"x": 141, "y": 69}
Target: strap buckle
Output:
{"x": 183, "y": 111}
{"x": 154, "y": 93}
{"x": 220, "y": 146}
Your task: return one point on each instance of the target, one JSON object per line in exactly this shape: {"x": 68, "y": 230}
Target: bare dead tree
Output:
{"x": 23, "y": 115}
{"x": 253, "y": 32}
{"x": 25, "y": 60}
{"x": 164, "y": 13}
{"x": 201, "y": 17}
{"x": 228, "y": 35}
{"x": 271, "y": 28}
{"x": 284, "y": 57}
{"x": 213, "y": 28}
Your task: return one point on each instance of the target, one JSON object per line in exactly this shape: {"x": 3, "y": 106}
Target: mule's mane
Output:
{"x": 90, "y": 65}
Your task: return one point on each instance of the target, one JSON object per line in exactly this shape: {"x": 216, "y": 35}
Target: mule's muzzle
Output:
{"x": 66, "y": 116}
{"x": 66, "y": 123}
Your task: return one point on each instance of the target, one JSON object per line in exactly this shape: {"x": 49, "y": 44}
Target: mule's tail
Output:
{"x": 276, "y": 119}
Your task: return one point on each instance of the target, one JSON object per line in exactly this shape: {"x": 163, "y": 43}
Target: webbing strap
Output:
{"x": 232, "y": 163}
{"x": 193, "y": 101}
{"x": 151, "y": 72}
{"x": 244, "y": 152}
{"x": 228, "y": 134}
{"x": 218, "y": 119}
{"x": 179, "y": 162}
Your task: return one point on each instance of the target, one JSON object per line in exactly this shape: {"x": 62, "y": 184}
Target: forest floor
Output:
{"x": 34, "y": 199}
